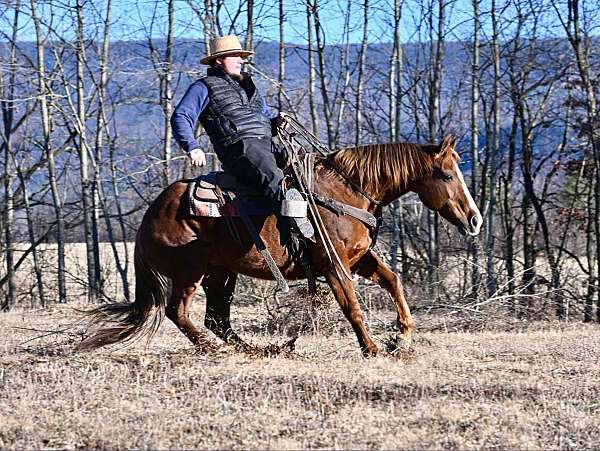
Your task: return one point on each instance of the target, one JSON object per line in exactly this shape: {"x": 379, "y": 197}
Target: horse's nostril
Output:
{"x": 474, "y": 221}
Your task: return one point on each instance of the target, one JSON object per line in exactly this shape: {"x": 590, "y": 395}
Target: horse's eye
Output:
{"x": 445, "y": 176}
{"x": 441, "y": 174}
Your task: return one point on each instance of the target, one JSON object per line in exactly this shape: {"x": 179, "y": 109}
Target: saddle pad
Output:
{"x": 205, "y": 186}
{"x": 203, "y": 201}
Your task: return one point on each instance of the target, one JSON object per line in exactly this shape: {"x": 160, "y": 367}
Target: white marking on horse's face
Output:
{"x": 476, "y": 218}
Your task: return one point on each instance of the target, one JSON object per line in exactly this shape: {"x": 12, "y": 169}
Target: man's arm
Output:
{"x": 266, "y": 111}
{"x": 276, "y": 119}
{"x": 186, "y": 114}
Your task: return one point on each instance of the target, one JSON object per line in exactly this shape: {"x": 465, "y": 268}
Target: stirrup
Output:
{"x": 295, "y": 207}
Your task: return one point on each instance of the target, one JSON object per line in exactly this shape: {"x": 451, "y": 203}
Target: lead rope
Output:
{"x": 332, "y": 254}
{"x": 314, "y": 142}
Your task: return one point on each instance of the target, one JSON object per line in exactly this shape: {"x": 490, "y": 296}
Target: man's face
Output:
{"x": 232, "y": 64}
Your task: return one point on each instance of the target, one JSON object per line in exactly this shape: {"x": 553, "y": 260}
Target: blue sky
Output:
{"x": 134, "y": 19}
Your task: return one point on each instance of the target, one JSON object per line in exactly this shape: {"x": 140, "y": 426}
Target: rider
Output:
{"x": 238, "y": 122}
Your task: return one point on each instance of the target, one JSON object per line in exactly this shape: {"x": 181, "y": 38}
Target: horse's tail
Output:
{"x": 126, "y": 321}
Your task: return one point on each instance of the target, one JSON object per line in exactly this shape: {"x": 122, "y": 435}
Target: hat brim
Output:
{"x": 209, "y": 58}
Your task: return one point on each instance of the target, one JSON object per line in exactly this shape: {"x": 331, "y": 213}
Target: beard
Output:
{"x": 237, "y": 77}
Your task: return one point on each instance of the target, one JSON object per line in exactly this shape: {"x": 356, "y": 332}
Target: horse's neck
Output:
{"x": 369, "y": 198}
{"x": 338, "y": 188}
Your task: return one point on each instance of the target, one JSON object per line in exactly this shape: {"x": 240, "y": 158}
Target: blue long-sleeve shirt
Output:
{"x": 186, "y": 114}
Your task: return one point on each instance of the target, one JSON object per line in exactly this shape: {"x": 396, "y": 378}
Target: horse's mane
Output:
{"x": 380, "y": 166}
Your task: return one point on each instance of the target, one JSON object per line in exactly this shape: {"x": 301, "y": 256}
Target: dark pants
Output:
{"x": 256, "y": 162}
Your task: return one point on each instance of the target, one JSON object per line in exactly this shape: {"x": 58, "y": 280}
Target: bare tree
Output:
{"x": 437, "y": 50}
{"x": 581, "y": 42}
{"x": 91, "y": 241}
{"x": 475, "y": 75}
{"x": 166, "y": 79}
{"x": 249, "y": 42}
{"x": 361, "y": 71}
{"x": 44, "y": 93}
{"x": 281, "y": 74}
{"x": 395, "y": 109}
{"x": 37, "y": 269}
{"x": 322, "y": 72}
{"x": 312, "y": 100}
{"x": 493, "y": 150}
{"x": 7, "y": 105}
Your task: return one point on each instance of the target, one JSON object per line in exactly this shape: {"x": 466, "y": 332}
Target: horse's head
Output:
{"x": 444, "y": 189}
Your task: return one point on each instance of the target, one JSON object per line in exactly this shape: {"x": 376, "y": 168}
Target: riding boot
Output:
{"x": 295, "y": 207}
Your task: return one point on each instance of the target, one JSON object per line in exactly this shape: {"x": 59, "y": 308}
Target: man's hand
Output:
{"x": 276, "y": 122}
{"x": 279, "y": 120}
{"x": 197, "y": 157}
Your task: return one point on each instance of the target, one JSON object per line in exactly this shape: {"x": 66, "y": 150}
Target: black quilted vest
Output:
{"x": 234, "y": 110}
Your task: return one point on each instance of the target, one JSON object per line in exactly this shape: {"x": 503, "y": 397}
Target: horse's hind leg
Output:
{"x": 371, "y": 267}
{"x": 177, "y": 311}
{"x": 219, "y": 285}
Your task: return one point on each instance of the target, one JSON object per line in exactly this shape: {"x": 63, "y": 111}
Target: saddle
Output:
{"x": 209, "y": 195}
{"x": 220, "y": 194}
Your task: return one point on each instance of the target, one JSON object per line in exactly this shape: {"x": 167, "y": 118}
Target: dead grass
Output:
{"x": 534, "y": 389}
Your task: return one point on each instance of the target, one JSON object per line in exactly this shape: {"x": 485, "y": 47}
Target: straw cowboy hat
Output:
{"x": 225, "y": 45}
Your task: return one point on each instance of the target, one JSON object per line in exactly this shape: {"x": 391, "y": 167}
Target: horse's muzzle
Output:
{"x": 472, "y": 226}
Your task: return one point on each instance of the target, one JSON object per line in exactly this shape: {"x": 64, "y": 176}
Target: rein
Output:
{"x": 314, "y": 142}
{"x": 351, "y": 182}
{"x": 373, "y": 222}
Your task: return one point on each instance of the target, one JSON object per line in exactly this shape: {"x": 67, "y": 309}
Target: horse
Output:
{"x": 171, "y": 246}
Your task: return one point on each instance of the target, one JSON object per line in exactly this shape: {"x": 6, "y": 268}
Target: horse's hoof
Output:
{"x": 206, "y": 348}
{"x": 243, "y": 347}
{"x": 286, "y": 348}
{"x": 397, "y": 344}
{"x": 370, "y": 351}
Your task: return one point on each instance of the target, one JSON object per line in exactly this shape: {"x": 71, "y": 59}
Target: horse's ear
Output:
{"x": 446, "y": 148}
{"x": 441, "y": 150}
{"x": 448, "y": 143}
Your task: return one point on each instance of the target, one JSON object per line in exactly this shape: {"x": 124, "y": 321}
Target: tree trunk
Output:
{"x": 435, "y": 81}
{"x": 47, "y": 145}
{"x": 209, "y": 22}
{"x": 91, "y": 242}
{"x": 101, "y": 131}
{"x": 8, "y": 109}
{"x": 508, "y": 208}
{"x": 495, "y": 149}
{"x": 312, "y": 101}
{"x": 322, "y": 65}
{"x": 358, "y": 119}
{"x": 344, "y": 75}
{"x": 474, "y": 248}
{"x": 395, "y": 88}
{"x": 281, "y": 76}
{"x": 167, "y": 97}
{"x": 37, "y": 269}
{"x": 249, "y": 43}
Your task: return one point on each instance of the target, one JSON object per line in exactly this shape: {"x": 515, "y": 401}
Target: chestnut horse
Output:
{"x": 188, "y": 251}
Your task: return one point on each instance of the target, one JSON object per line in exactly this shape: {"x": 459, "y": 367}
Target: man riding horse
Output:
{"x": 175, "y": 253}
{"x": 238, "y": 122}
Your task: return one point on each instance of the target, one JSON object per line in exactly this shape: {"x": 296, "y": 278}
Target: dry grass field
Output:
{"x": 536, "y": 387}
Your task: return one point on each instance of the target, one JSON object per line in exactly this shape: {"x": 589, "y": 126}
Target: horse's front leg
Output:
{"x": 343, "y": 290}
{"x": 371, "y": 267}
